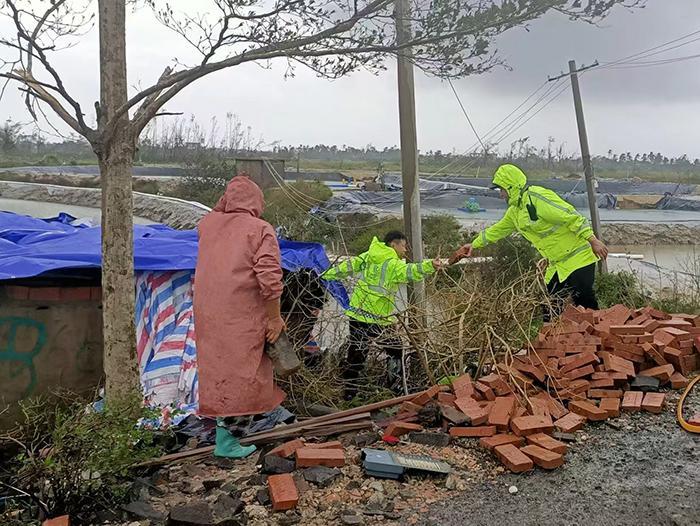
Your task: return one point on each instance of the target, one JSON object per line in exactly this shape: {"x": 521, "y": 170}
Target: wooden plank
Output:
{"x": 302, "y": 426}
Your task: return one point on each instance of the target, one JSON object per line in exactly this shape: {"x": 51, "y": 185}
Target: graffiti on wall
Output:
{"x": 17, "y": 352}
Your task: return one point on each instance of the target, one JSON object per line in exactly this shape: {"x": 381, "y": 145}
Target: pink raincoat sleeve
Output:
{"x": 266, "y": 265}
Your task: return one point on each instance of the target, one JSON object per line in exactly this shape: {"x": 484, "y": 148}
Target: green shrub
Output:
{"x": 619, "y": 287}
{"x": 77, "y": 461}
{"x": 205, "y": 180}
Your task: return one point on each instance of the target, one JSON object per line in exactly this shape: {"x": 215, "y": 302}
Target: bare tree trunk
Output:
{"x": 116, "y": 158}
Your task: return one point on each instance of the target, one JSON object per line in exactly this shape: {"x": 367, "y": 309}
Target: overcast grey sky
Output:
{"x": 638, "y": 110}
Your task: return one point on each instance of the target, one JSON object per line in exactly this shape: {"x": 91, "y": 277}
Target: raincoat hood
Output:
{"x": 512, "y": 180}
{"x": 379, "y": 252}
{"x": 242, "y": 196}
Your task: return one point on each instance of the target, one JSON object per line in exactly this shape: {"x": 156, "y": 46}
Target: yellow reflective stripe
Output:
{"x": 585, "y": 226}
{"x": 573, "y": 253}
{"x": 409, "y": 272}
{"x": 483, "y": 237}
{"x": 382, "y": 275}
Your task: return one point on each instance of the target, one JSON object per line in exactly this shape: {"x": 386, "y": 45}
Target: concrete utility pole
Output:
{"x": 585, "y": 152}
{"x": 409, "y": 142}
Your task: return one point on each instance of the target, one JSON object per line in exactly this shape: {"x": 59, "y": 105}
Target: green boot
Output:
{"x": 228, "y": 445}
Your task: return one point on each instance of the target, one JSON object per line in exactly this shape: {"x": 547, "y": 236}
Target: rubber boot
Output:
{"x": 228, "y": 445}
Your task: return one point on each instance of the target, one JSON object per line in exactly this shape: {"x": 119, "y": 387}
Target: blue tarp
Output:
{"x": 30, "y": 246}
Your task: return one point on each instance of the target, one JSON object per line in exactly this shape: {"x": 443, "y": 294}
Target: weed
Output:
{"x": 74, "y": 460}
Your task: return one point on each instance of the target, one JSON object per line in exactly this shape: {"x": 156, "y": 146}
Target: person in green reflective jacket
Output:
{"x": 562, "y": 236}
{"x": 379, "y": 273}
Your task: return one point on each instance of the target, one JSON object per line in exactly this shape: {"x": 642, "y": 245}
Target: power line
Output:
{"x": 466, "y": 115}
{"x": 644, "y": 54}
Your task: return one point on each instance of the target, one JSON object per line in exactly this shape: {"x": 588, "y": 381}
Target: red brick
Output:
{"x": 580, "y": 386}
{"x": 514, "y": 459}
{"x": 650, "y": 325}
{"x": 609, "y": 374}
{"x": 63, "y": 520}
{"x": 579, "y": 349}
{"x": 697, "y": 343}
{"x": 657, "y": 314}
{"x": 531, "y": 370}
{"x": 283, "y": 492}
{"x": 686, "y": 346}
{"x": 75, "y": 294}
{"x": 333, "y": 458}
{"x": 627, "y": 329}
{"x": 632, "y": 401}
{"x": 495, "y": 382}
{"x": 616, "y": 315}
{"x": 676, "y": 328}
{"x": 662, "y": 372}
{"x": 662, "y": 338}
{"x": 539, "y": 407}
{"x": 689, "y": 363}
{"x": 544, "y": 458}
{"x": 399, "y": 429}
{"x": 426, "y": 396}
{"x": 473, "y": 432}
{"x": 485, "y": 391}
{"x": 335, "y": 444}
{"x": 654, "y": 353}
{"x": 605, "y": 393}
{"x": 547, "y": 442}
{"x": 617, "y": 364}
{"x": 529, "y": 425}
{"x": 570, "y": 423}
{"x": 640, "y": 319}
{"x": 499, "y": 440}
{"x": 632, "y": 357}
{"x": 446, "y": 398}
{"x": 463, "y": 387}
{"x": 477, "y": 414}
{"x": 501, "y": 412}
{"x": 17, "y": 293}
{"x": 580, "y": 373}
{"x": 600, "y": 384}
{"x": 590, "y": 411}
{"x": 678, "y": 381}
{"x": 584, "y": 359}
{"x": 288, "y": 449}
{"x": 45, "y": 294}
{"x": 556, "y": 408}
{"x": 653, "y": 402}
{"x": 611, "y": 406}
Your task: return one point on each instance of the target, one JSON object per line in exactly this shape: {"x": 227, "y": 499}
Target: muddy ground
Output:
{"x": 645, "y": 473}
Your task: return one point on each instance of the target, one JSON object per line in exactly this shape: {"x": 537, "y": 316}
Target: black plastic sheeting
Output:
{"x": 449, "y": 200}
{"x": 671, "y": 202}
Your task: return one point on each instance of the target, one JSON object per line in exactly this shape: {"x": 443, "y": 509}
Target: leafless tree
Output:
{"x": 451, "y": 38}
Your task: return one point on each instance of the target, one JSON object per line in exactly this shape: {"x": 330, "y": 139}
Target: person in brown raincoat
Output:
{"x": 237, "y": 289}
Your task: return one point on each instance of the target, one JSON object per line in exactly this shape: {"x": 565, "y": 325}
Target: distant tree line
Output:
{"x": 184, "y": 140}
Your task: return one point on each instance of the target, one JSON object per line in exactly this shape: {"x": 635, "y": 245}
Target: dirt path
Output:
{"x": 645, "y": 473}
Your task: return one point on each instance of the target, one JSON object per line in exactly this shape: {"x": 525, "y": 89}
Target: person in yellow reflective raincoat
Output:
{"x": 561, "y": 235}
{"x": 380, "y": 271}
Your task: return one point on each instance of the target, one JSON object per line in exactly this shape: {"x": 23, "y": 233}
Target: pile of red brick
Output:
{"x": 283, "y": 491}
{"x": 588, "y": 366}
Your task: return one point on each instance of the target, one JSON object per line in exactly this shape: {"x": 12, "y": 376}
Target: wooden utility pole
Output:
{"x": 585, "y": 152}
{"x": 409, "y": 142}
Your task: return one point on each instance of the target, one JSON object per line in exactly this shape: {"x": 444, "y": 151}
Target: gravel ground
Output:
{"x": 645, "y": 473}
